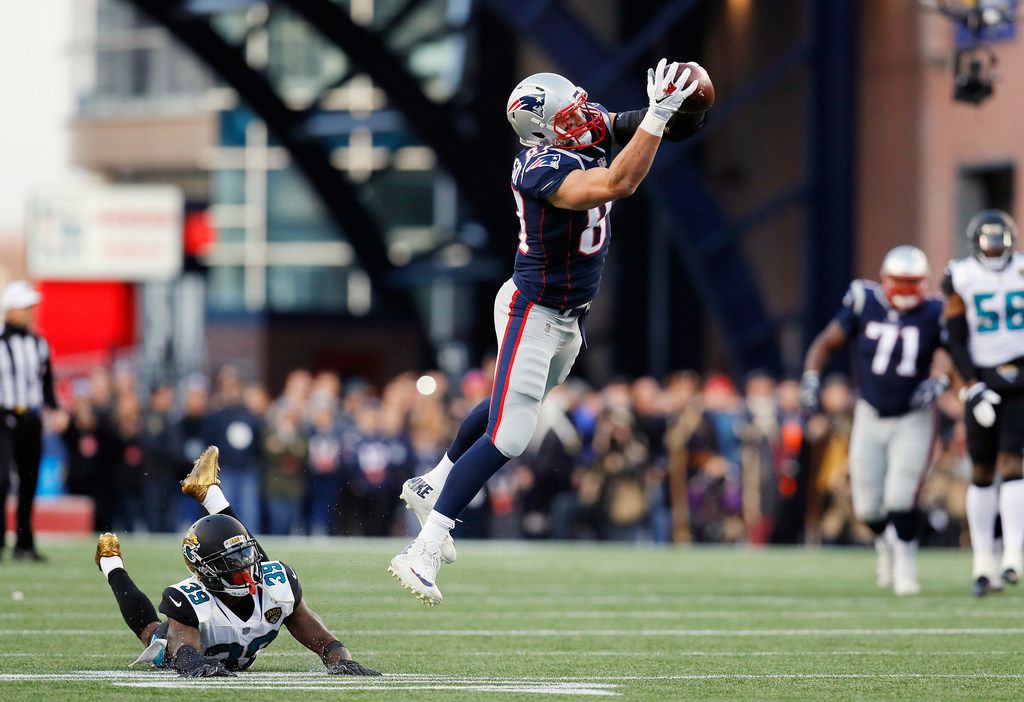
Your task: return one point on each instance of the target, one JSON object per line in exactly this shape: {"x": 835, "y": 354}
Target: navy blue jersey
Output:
{"x": 561, "y": 252}
{"x": 893, "y": 349}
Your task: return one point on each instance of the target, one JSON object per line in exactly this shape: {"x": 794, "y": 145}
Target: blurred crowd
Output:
{"x": 683, "y": 459}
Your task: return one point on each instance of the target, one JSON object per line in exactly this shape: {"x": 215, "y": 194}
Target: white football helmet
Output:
{"x": 905, "y": 277}
{"x": 546, "y": 109}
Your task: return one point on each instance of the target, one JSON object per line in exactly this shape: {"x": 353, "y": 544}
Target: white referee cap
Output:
{"x": 18, "y": 294}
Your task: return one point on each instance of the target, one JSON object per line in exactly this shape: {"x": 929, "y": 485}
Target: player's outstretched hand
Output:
{"x": 667, "y": 87}
{"x": 928, "y": 392}
{"x": 981, "y": 402}
{"x": 191, "y": 664}
{"x": 350, "y": 668}
{"x": 208, "y": 670}
{"x": 810, "y": 388}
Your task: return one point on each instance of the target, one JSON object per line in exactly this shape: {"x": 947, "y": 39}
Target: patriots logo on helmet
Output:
{"x": 530, "y": 103}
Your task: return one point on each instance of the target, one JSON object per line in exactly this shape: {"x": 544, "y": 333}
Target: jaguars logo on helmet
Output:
{"x": 222, "y": 555}
{"x": 188, "y": 547}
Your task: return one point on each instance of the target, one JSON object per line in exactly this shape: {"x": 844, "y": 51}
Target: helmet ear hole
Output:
{"x": 539, "y": 135}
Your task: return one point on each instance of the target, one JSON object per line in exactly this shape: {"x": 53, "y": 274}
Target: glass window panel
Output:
{"x": 306, "y": 289}
{"x": 291, "y": 204}
{"x": 229, "y": 187}
{"x": 232, "y": 127}
{"x": 225, "y": 288}
{"x": 402, "y": 198}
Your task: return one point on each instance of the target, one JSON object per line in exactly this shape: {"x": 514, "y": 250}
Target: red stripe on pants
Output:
{"x": 511, "y": 362}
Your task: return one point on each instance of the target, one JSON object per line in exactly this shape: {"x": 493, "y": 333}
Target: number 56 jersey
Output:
{"x": 222, "y": 634}
{"x": 893, "y": 348}
{"x": 995, "y": 308}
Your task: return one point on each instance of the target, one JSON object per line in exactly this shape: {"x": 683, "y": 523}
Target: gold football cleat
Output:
{"x": 107, "y": 546}
{"x": 205, "y": 472}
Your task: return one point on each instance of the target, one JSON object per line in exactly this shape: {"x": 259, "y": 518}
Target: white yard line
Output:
{"x": 569, "y": 684}
{"x": 675, "y": 654}
{"x": 545, "y": 633}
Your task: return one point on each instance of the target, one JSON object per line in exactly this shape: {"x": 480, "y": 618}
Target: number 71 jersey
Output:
{"x": 893, "y": 349}
{"x": 995, "y": 308}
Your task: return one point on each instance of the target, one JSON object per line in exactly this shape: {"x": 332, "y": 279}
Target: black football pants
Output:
{"x": 21, "y": 449}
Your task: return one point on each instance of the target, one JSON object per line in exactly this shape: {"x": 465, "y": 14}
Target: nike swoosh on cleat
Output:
{"x": 176, "y": 603}
{"x": 422, "y": 579}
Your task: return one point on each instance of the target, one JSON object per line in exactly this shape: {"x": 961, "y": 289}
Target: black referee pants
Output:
{"x": 21, "y": 449}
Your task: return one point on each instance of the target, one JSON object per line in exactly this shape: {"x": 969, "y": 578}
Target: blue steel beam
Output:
{"x": 290, "y": 127}
{"x": 737, "y": 306}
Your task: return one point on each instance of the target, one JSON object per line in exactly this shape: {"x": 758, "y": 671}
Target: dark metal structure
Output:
{"x": 705, "y": 243}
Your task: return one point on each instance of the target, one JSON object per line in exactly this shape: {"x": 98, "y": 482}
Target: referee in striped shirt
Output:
{"x": 26, "y": 387}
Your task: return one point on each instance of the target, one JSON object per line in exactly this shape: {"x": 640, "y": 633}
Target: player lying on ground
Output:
{"x": 896, "y": 332}
{"x": 985, "y": 316}
{"x": 563, "y": 185}
{"x": 232, "y": 606}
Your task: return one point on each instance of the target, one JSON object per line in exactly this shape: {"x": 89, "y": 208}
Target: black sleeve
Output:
{"x": 293, "y": 581}
{"x": 49, "y": 396}
{"x": 625, "y": 124}
{"x": 957, "y": 347}
{"x": 684, "y": 125}
{"x": 175, "y": 605}
{"x": 681, "y": 126}
{"x": 947, "y": 283}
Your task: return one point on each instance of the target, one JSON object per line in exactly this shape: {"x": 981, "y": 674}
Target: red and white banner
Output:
{"x": 105, "y": 232}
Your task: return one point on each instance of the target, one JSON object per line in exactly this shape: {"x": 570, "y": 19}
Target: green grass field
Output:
{"x": 526, "y": 621}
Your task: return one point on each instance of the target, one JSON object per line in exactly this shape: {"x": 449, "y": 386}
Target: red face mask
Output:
{"x": 586, "y": 119}
{"x": 904, "y": 293}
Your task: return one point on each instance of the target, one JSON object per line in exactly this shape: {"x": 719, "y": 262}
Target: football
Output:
{"x": 704, "y": 97}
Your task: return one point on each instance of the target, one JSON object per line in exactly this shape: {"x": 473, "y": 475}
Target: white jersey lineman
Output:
{"x": 985, "y": 318}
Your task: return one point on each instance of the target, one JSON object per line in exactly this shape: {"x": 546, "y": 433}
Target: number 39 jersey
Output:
{"x": 995, "y": 308}
{"x": 561, "y": 252}
{"x": 222, "y": 634}
{"x": 893, "y": 349}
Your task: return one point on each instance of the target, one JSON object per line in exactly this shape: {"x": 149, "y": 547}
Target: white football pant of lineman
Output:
{"x": 888, "y": 459}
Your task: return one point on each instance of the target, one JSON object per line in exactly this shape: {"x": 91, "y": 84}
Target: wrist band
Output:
{"x": 652, "y": 124}
{"x": 333, "y": 646}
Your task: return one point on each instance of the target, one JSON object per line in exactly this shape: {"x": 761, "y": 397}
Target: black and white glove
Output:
{"x": 929, "y": 391}
{"x": 350, "y": 667}
{"x": 810, "y": 388}
{"x": 980, "y": 401}
{"x": 190, "y": 663}
{"x": 665, "y": 94}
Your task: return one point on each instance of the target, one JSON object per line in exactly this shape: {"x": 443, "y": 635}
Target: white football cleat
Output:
{"x": 420, "y": 496}
{"x": 884, "y": 563}
{"x": 416, "y": 568}
{"x": 904, "y": 571}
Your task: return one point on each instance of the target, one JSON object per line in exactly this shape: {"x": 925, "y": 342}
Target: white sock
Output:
{"x": 981, "y": 520}
{"x": 215, "y": 501}
{"x": 904, "y": 562}
{"x": 1011, "y": 509}
{"x": 436, "y": 527}
{"x": 439, "y": 474}
{"x": 109, "y": 563}
{"x": 904, "y": 551}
